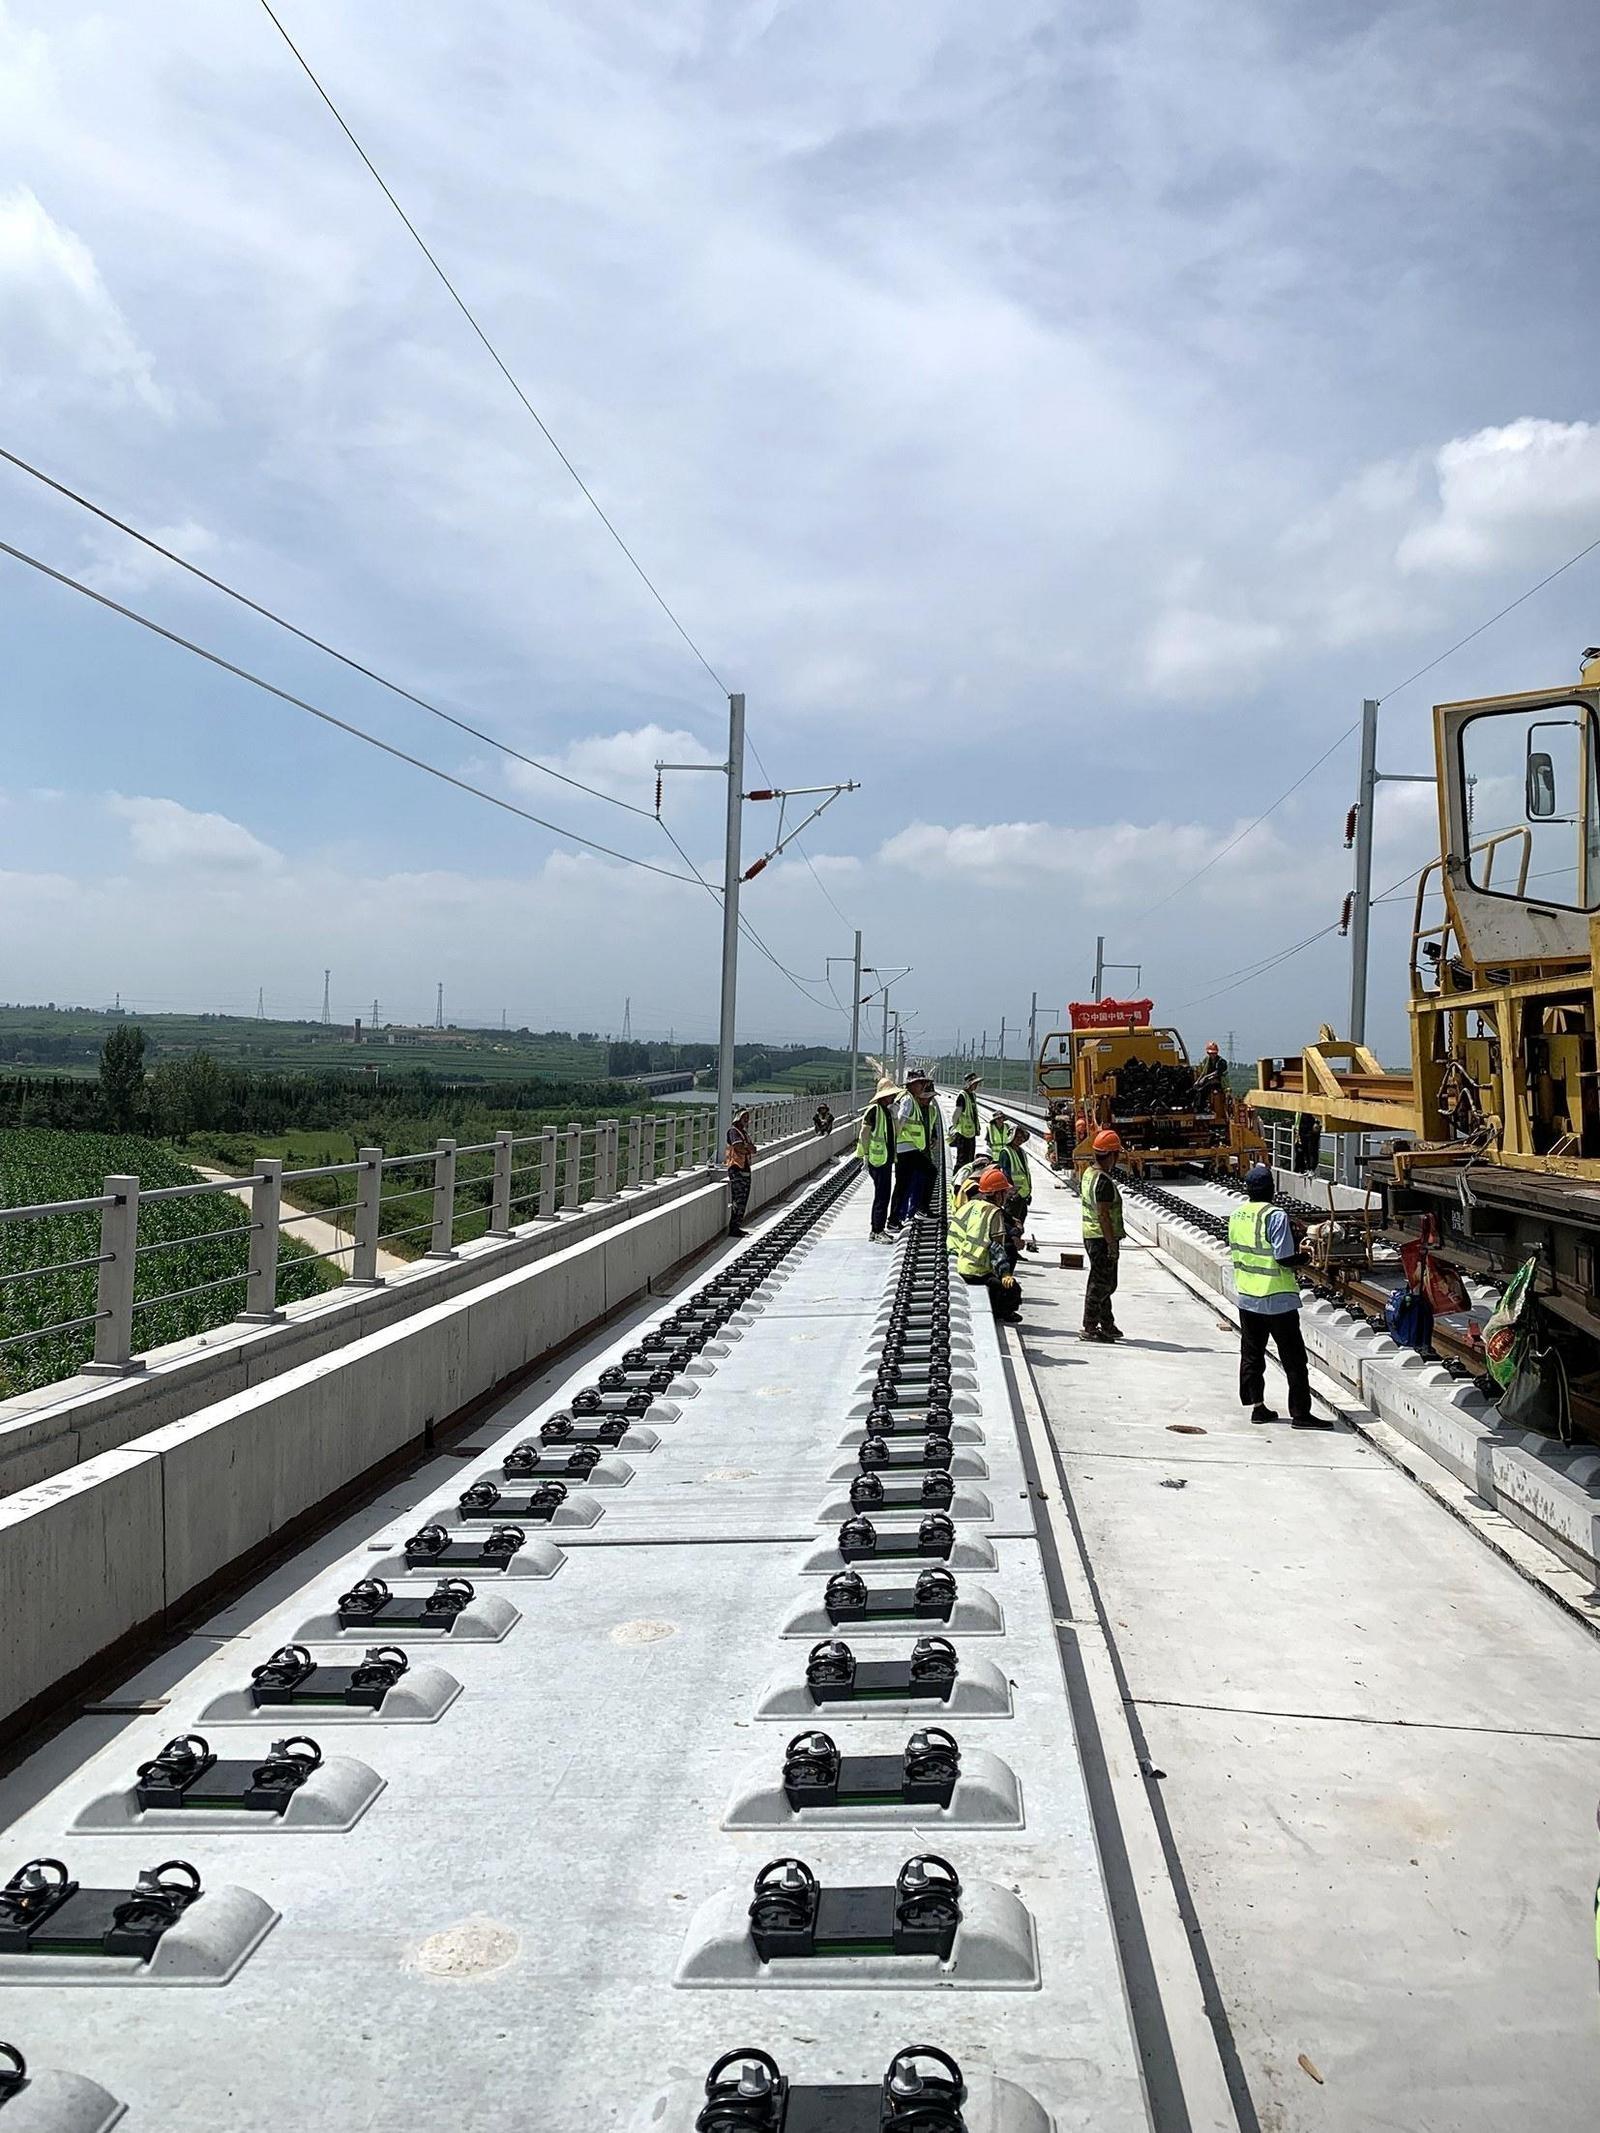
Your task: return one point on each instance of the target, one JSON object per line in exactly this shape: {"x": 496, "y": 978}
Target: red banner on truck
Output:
{"x": 1110, "y": 1014}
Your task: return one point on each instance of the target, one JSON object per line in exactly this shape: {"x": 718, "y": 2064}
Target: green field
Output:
{"x": 68, "y": 1040}
{"x": 42, "y": 1166}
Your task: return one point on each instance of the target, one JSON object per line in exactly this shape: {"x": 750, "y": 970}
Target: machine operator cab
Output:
{"x": 1503, "y": 983}
{"x": 1520, "y": 822}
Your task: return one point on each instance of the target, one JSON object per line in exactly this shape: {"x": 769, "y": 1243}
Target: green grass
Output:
{"x": 40, "y": 1166}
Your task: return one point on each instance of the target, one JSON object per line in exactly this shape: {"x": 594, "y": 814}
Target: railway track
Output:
{"x": 687, "y": 1747}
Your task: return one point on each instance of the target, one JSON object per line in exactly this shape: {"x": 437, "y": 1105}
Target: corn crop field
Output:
{"x": 43, "y": 1166}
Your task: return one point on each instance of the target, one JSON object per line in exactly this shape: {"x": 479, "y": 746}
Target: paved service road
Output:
{"x": 1380, "y": 1745}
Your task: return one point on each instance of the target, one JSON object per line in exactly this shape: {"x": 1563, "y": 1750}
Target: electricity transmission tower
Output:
{"x": 327, "y": 1012}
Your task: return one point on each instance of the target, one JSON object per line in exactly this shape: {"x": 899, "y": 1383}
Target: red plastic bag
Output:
{"x": 1440, "y": 1282}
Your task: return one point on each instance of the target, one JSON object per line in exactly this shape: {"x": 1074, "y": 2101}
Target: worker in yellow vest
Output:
{"x": 1265, "y": 1253}
{"x": 918, "y": 1149}
{"x": 875, "y": 1146}
{"x": 964, "y": 1122}
{"x": 1102, "y": 1237}
{"x": 1012, "y": 1159}
{"x": 977, "y": 1243}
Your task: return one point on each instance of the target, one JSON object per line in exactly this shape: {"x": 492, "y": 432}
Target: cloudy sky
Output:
{"x": 1057, "y": 417}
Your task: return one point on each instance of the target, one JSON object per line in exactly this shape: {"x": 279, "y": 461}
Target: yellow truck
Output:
{"x": 1113, "y": 1067}
{"x": 1489, "y": 1139}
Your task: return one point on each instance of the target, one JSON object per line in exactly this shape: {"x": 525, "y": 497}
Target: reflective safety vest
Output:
{"x": 995, "y": 1127}
{"x": 872, "y": 1142}
{"x": 914, "y": 1131}
{"x": 1015, "y": 1165}
{"x": 964, "y": 1118}
{"x": 971, "y": 1227}
{"x": 1102, "y": 1205}
{"x": 1257, "y": 1269}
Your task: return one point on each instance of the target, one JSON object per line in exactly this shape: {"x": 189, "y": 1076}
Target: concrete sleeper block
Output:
{"x": 993, "y": 2105}
{"x": 419, "y": 1698}
{"x": 534, "y": 1559}
{"x": 964, "y": 1465}
{"x": 972, "y": 1551}
{"x": 961, "y": 1430}
{"x": 208, "y": 1945}
{"x": 487, "y": 1618}
{"x": 977, "y": 1613}
{"x": 996, "y": 1949}
{"x": 333, "y": 1798}
{"x": 980, "y": 1690}
{"x": 987, "y": 1795}
{"x": 51, "y": 2102}
{"x": 966, "y": 1503}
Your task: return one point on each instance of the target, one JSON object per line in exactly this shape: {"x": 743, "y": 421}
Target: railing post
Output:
{"x": 500, "y": 1202}
{"x": 613, "y": 1130}
{"x": 635, "y": 1139}
{"x": 671, "y": 1166}
{"x": 442, "y": 1243}
{"x": 369, "y": 1220}
{"x": 266, "y": 1207}
{"x": 547, "y": 1174}
{"x": 119, "y": 1247}
{"x": 571, "y": 1167}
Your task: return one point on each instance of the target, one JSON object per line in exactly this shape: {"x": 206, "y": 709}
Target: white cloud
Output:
{"x": 1509, "y": 496}
{"x": 1107, "y": 863}
{"x": 619, "y": 764}
{"x": 164, "y": 833}
{"x": 59, "y": 324}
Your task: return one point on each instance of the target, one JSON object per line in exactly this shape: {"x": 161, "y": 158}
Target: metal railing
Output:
{"x": 449, "y": 1195}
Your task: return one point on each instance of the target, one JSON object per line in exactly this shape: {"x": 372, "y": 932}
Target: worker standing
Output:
{"x": 875, "y": 1146}
{"x": 977, "y": 1243}
{"x": 740, "y": 1152}
{"x": 1013, "y": 1160}
{"x": 918, "y": 1149}
{"x": 1102, "y": 1237}
{"x": 999, "y": 1131}
{"x": 964, "y": 1122}
{"x": 1265, "y": 1253}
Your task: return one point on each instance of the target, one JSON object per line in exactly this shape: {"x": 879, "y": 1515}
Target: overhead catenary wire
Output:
{"x": 506, "y": 372}
{"x": 1510, "y": 606}
{"x": 1247, "y": 973}
{"x": 490, "y": 349}
{"x": 327, "y": 718}
{"x": 268, "y": 614}
{"x": 747, "y": 930}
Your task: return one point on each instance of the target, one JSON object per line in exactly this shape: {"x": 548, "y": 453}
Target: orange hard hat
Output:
{"x": 993, "y": 1179}
{"x": 1106, "y": 1142}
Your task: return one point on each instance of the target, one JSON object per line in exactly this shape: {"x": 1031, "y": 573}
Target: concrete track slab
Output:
{"x": 497, "y": 1936}
{"x": 1377, "y": 1746}
{"x": 1364, "y": 1906}
{"x": 1330, "y": 1591}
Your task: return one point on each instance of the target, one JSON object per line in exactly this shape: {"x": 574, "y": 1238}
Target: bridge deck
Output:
{"x": 508, "y": 1934}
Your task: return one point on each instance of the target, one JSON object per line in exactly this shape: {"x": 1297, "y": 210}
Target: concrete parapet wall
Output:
{"x": 54, "y": 1428}
{"x": 120, "y": 1543}
{"x": 1550, "y": 1490}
